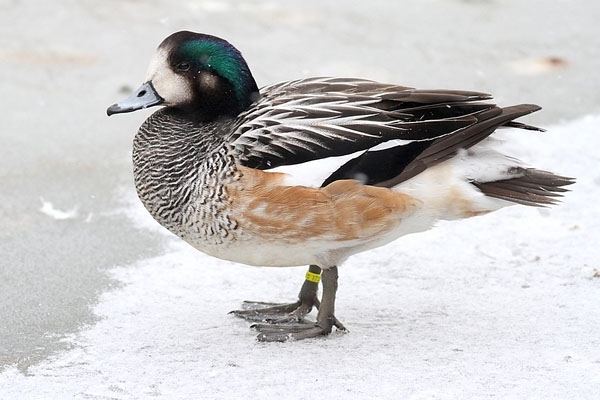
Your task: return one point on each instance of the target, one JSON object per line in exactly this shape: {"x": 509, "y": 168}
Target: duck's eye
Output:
{"x": 183, "y": 66}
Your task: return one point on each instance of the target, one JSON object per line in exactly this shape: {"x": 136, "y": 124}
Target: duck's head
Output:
{"x": 200, "y": 74}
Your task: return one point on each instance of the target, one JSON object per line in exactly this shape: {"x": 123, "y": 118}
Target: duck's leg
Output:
{"x": 326, "y": 320}
{"x": 287, "y": 312}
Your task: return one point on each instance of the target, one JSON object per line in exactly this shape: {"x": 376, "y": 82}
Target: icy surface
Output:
{"x": 97, "y": 302}
{"x": 49, "y": 209}
{"x": 501, "y": 306}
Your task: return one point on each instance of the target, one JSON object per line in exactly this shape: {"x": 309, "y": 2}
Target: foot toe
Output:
{"x": 265, "y": 312}
{"x": 281, "y": 333}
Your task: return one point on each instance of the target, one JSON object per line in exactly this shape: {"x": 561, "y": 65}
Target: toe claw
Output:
{"x": 338, "y": 325}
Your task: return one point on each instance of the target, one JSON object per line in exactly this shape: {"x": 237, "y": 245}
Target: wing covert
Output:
{"x": 299, "y": 121}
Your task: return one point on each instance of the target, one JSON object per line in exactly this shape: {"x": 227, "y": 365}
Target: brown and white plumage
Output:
{"x": 314, "y": 170}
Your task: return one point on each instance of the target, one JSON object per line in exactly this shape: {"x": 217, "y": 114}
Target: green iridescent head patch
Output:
{"x": 220, "y": 57}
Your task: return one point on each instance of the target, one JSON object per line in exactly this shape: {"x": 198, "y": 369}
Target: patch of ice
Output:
{"x": 48, "y": 209}
{"x": 501, "y": 306}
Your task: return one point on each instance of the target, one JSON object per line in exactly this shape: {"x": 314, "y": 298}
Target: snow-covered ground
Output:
{"x": 98, "y": 302}
{"x": 502, "y": 306}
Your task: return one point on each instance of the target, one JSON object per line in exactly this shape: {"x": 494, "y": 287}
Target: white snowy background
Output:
{"x": 500, "y": 306}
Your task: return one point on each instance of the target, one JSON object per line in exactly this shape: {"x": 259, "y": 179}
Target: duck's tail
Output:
{"x": 463, "y": 173}
{"x": 481, "y": 180}
{"x": 530, "y": 187}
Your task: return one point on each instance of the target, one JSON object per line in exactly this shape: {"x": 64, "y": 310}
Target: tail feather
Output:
{"x": 520, "y": 125}
{"x": 532, "y": 187}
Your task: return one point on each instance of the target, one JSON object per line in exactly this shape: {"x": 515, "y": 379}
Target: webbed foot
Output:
{"x": 282, "y": 322}
{"x": 258, "y": 311}
{"x": 281, "y": 332}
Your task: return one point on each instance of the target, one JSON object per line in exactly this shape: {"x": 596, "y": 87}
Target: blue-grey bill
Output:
{"x": 144, "y": 97}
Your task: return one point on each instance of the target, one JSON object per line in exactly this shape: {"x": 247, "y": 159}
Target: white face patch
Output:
{"x": 173, "y": 88}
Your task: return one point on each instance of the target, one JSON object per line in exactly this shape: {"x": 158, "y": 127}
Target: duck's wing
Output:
{"x": 311, "y": 119}
{"x": 314, "y": 118}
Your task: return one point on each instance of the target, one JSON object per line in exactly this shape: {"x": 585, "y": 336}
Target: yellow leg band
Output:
{"x": 312, "y": 277}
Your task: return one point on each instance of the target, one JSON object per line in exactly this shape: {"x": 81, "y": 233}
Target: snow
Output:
{"x": 49, "y": 209}
{"x": 106, "y": 305}
{"x": 500, "y": 306}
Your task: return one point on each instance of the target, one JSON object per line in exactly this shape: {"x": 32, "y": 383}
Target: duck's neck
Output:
{"x": 173, "y": 159}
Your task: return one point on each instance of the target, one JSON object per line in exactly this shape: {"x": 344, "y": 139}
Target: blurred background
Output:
{"x": 65, "y": 169}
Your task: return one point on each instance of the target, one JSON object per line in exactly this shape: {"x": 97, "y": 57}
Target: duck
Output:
{"x": 311, "y": 171}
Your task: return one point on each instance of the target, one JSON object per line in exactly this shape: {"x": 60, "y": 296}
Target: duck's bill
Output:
{"x": 144, "y": 97}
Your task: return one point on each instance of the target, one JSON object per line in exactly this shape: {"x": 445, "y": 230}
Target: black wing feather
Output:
{"x": 417, "y": 158}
